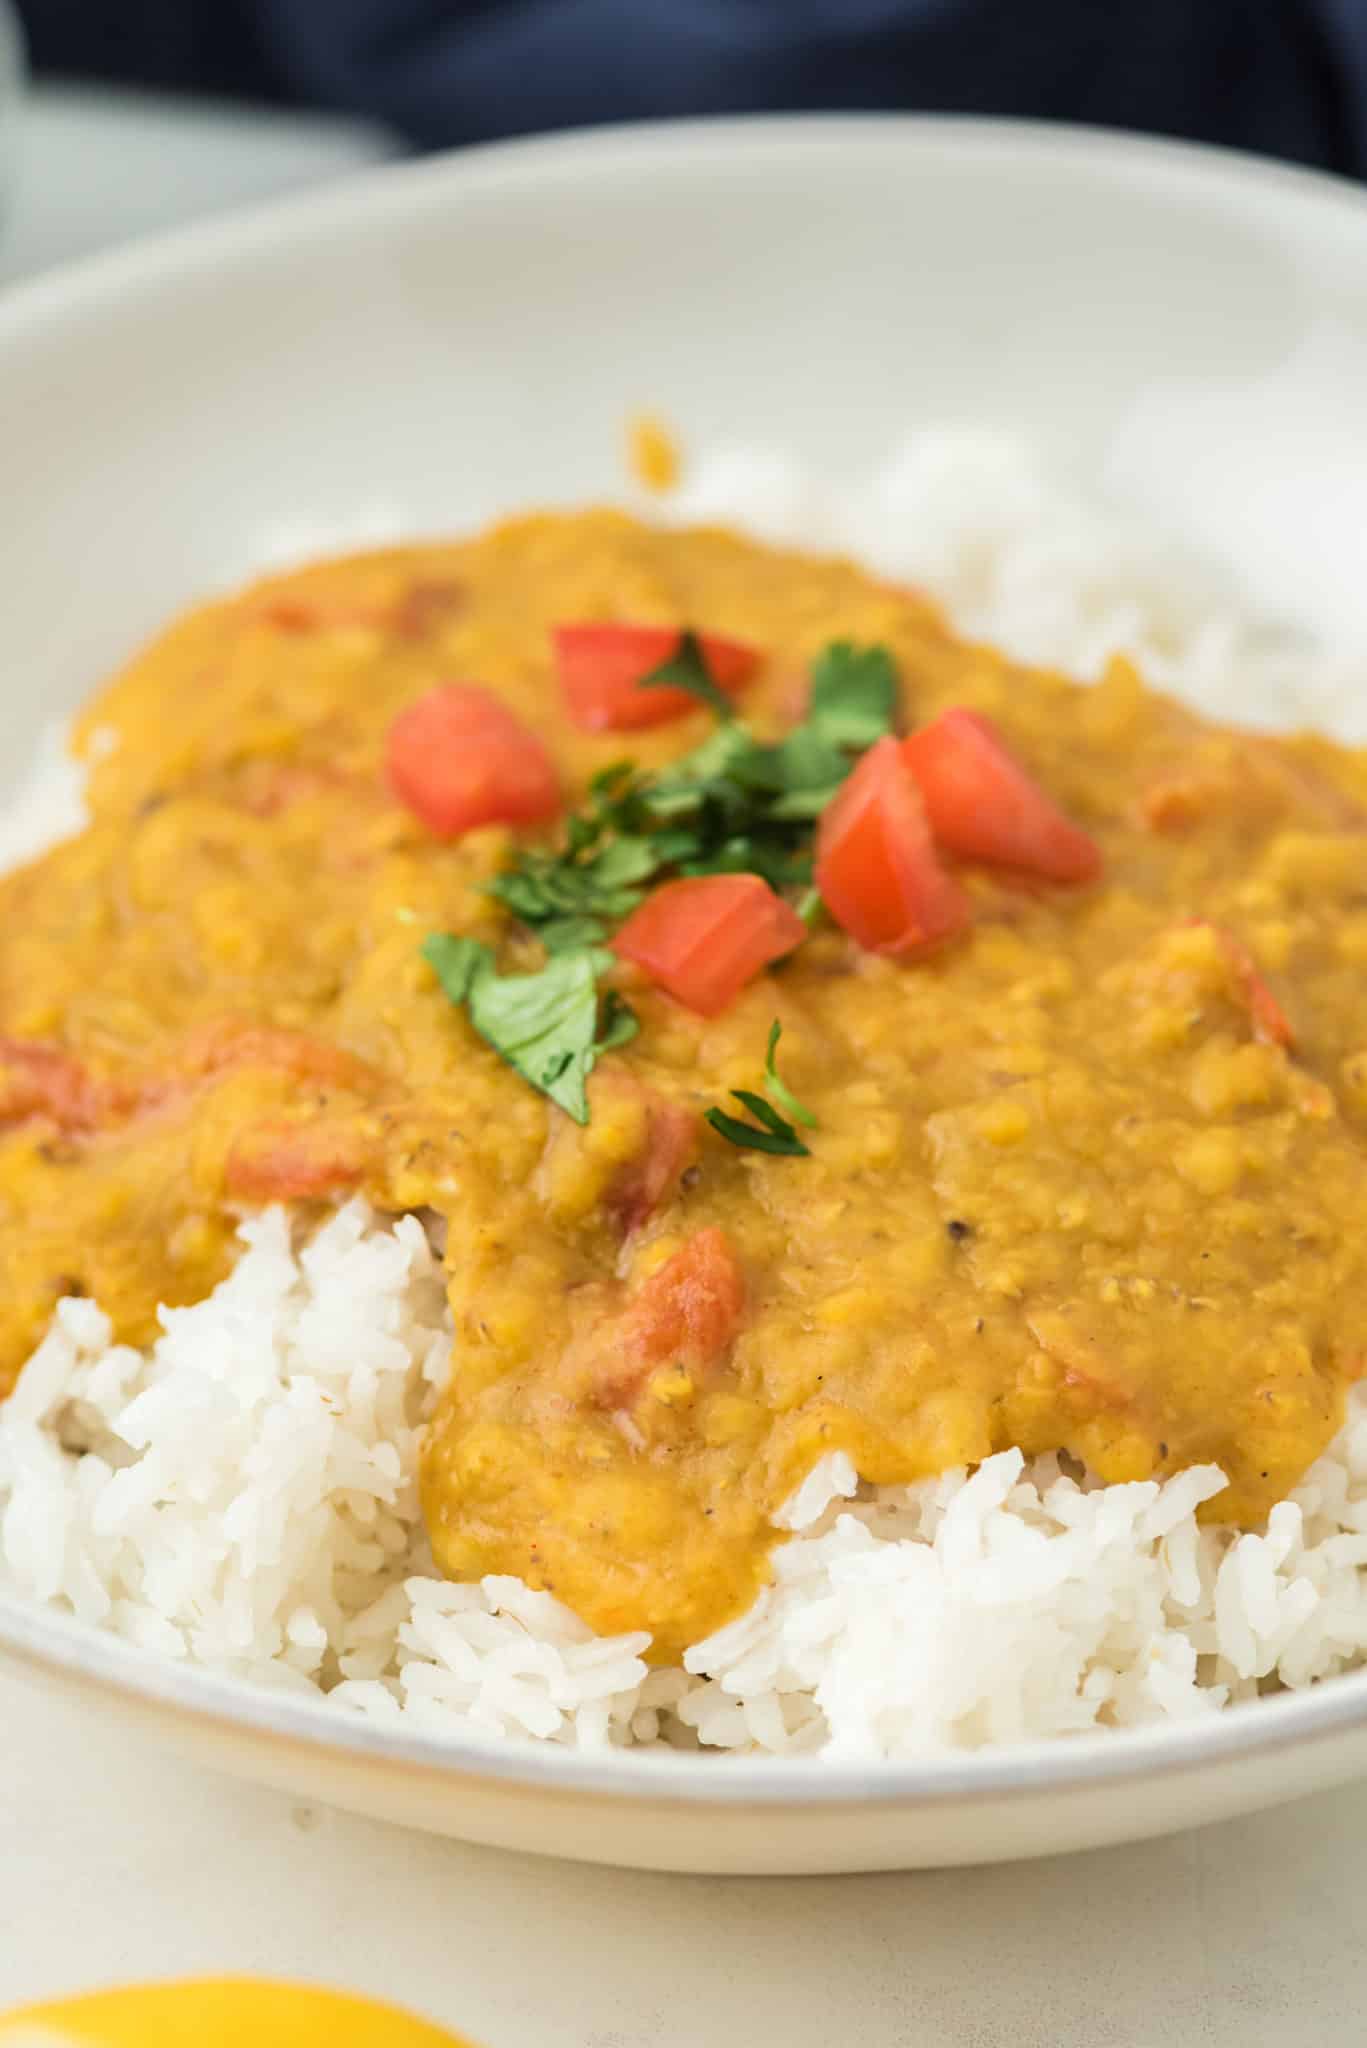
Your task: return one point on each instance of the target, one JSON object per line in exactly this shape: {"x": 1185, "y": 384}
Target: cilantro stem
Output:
{"x": 770, "y": 1131}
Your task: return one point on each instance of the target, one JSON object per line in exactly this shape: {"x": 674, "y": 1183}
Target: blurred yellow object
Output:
{"x": 213, "y": 2012}
{"x": 653, "y": 455}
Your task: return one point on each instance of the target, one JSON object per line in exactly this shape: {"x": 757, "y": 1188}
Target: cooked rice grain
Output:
{"x": 243, "y": 1497}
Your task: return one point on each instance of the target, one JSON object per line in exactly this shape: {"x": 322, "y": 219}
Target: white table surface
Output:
{"x": 118, "y": 1864}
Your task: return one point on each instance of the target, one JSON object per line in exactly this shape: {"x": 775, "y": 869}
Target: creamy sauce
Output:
{"x": 1065, "y": 1191}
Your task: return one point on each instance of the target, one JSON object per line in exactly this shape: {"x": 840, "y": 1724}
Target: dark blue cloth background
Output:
{"x": 1285, "y": 76}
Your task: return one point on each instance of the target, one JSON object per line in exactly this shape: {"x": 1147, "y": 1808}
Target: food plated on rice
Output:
{"x": 615, "y": 1133}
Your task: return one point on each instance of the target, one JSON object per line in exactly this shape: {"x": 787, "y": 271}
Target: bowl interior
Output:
{"x": 430, "y": 345}
{"x": 427, "y": 346}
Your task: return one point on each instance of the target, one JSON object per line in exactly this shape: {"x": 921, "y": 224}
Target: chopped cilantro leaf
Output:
{"x": 810, "y": 908}
{"x": 771, "y": 1131}
{"x": 854, "y": 694}
{"x": 624, "y": 862}
{"x": 811, "y": 770}
{"x": 758, "y": 856}
{"x": 620, "y": 1023}
{"x": 565, "y": 934}
{"x": 678, "y": 845}
{"x": 750, "y": 1138}
{"x": 455, "y": 961}
{"x": 544, "y": 1024}
{"x": 613, "y": 779}
{"x": 729, "y": 761}
{"x": 686, "y": 669}
{"x": 764, "y": 1111}
{"x": 550, "y": 891}
{"x": 735, "y": 804}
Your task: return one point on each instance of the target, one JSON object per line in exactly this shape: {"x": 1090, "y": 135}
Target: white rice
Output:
{"x": 1026, "y": 558}
{"x": 243, "y": 1497}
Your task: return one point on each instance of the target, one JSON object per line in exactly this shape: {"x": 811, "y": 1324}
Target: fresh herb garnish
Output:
{"x": 619, "y": 1025}
{"x": 854, "y": 694}
{"x": 779, "y": 1088}
{"x": 545, "y": 1024}
{"x": 809, "y": 769}
{"x": 735, "y": 805}
{"x": 686, "y": 669}
{"x": 780, "y": 1137}
{"x": 771, "y": 1132}
{"x": 573, "y": 895}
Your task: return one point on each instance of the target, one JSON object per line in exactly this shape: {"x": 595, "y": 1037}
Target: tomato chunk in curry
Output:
{"x": 1091, "y": 1176}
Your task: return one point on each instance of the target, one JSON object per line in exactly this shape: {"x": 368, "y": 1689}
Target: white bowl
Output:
{"x": 428, "y": 345}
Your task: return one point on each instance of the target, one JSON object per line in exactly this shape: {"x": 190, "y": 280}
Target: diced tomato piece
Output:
{"x": 705, "y": 937}
{"x": 292, "y": 1162}
{"x": 41, "y": 1080}
{"x": 687, "y": 1315}
{"x": 690, "y": 1311}
{"x": 645, "y": 1182}
{"x": 1270, "y": 1021}
{"x": 627, "y": 1164}
{"x": 235, "y": 1043}
{"x": 426, "y": 605}
{"x": 458, "y": 758}
{"x": 983, "y": 806}
{"x": 601, "y": 667}
{"x": 876, "y": 865}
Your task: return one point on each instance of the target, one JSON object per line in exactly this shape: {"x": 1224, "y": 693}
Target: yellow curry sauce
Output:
{"x": 1062, "y": 1192}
